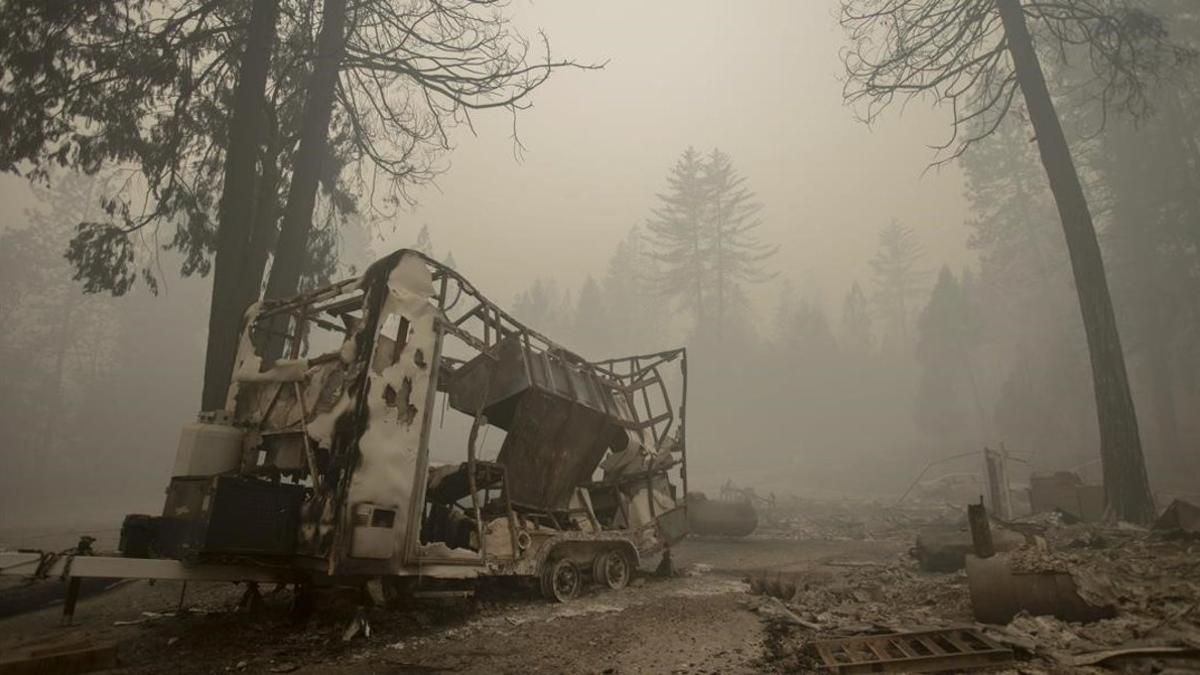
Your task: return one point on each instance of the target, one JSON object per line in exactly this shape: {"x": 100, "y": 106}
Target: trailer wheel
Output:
{"x": 560, "y": 580}
{"x": 613, "y": 568}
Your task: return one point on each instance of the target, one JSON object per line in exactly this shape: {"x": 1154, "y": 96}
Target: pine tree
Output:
{"x": 590, "y": 325}
{"x": 630, "y": 299}
{"x": 704, "y": 236}
{"x": 811, "y": 334}
{"x": 678, "y": 241}
{"x": 788, "y": 304}
{"x": 898, "y": 280}
{"x": 63, "y": 338}
{"x": 737, "y": 256}
{"x": 801, "y": 324}
{"x": 1013, "y": 225}
{"x": 628, "y": 270}
{"x": 856, "y": 336}
{"x": 544, "y": 308}
{"x": 947, "y": 332}
{"x": 191, "y": 100}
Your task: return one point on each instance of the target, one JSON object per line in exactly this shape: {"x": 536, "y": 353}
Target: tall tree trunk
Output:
{"x": 291, "y": 251}
{"x": 264, "y": 234}
{"x": 1126, "y": 487}
{"x": 236, "y": 210}
{"x": 62, "y": 340}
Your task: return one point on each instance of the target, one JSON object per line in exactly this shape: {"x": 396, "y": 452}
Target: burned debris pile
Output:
{"x": 1070, "y": 596}
{"x": 798, "y": 518}
{"x": 843, "y": 599}
{"x": 1149, "y": 578}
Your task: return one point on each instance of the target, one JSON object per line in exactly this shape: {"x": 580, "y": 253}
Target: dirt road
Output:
{"x": 694, "y": 623}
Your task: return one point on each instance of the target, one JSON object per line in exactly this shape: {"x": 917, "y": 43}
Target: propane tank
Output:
{"x": 720, "y": 517}
{"x": 209, "y": 446}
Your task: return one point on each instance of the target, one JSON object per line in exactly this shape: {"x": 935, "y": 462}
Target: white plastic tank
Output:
{"x": 208, "y": 447}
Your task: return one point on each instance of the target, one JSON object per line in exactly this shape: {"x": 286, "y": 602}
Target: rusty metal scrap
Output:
{"x": 560, "y": 418}
{"x": 950, "y": 649}
{"x": 999, "y": 494}
{"x": 721, "y": 517}
{"x": 999, "y": 593}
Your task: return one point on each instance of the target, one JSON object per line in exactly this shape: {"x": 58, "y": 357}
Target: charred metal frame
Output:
{"x": 270, "y": 371}
{"x": 463, "y": 312}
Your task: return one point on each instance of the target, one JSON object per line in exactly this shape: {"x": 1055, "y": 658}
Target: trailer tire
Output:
{"x": 561, "y": 580}
{"x": 613, "y": 568}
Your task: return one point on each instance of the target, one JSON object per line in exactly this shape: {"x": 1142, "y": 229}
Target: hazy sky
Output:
{"x": 758, "y": 79}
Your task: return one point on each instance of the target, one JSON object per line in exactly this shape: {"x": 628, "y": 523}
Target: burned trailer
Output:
{"x": 334, "y": 460}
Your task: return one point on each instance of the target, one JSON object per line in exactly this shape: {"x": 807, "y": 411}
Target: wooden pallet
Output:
{"x": 952, "y": 649}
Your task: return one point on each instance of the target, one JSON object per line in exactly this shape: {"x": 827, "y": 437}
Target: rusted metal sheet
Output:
{"x": 673, "y": 525}
{"x": 998, "y": 593}
{"x": 551, "y": 447}
{"x": 981, "y": 531}
{"x": 561, "y": 418}
{"x": 495, "y": 380}
{"x": 929, "y": 651}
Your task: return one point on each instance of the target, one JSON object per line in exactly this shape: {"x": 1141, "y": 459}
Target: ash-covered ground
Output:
{"x": 814, "y": 570}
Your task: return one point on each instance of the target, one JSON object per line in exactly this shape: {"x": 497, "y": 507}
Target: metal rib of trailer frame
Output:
{"x": 273, "y": 307}
{"x": 113, "y": 567}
